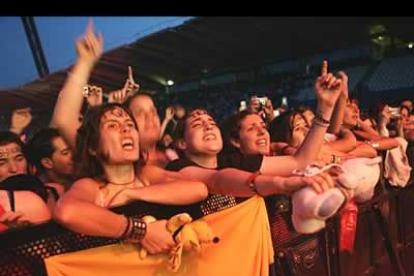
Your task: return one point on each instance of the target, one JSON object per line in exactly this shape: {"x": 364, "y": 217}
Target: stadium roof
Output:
{"x": 211, "y": 44}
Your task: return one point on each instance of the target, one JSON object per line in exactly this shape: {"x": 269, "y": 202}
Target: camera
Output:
{"x": 86, "y": 90}
{"x": 262, "y": 101}
{"x": 243, "y": 106}
{"x": 395, "y": 112}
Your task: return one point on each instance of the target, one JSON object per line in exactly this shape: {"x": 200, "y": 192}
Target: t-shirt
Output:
{"x": 250, "y": 163}
{"x": 213, "y": 203}
{"x": 236, "y": 160}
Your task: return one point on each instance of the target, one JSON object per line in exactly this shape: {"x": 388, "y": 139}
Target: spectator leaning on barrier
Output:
{"x": 19, "y": 206}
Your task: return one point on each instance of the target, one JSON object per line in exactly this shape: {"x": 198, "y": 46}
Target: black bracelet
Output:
{"x": 321, "y": 119}
{"x": 138, "y": 231}
{"x": 319, "y": 123}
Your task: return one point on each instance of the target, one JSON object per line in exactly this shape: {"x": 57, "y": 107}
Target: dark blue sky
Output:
{"x": 58, "y": 35}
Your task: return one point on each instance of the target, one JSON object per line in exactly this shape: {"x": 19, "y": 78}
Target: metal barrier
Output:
{"x": 383, "y": 243}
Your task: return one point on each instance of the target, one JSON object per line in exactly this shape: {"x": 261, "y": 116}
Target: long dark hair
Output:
{"x": 88, "y": 141}
{"x": 281, "y": 128}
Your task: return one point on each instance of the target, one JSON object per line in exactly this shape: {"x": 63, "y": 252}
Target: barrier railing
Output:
{"x": 383, "y": 243}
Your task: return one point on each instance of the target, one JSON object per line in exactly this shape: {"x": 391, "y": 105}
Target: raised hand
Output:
{"x": 269, "y": 111}
{"x": 90, "y": 46}
{"x": 130, "y": 85}
{"x": 117, "y": 96}
{"x": 94, "y": 97}
{"x": 327, "y": 87}
{"x": 20, "y": 119}
{"x": 344, "y": 78}
{"x": 254, "y": 104}
{"x": 169, "y": 113}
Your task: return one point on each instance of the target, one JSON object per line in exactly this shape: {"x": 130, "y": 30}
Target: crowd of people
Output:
{"x": 88, "y": 161}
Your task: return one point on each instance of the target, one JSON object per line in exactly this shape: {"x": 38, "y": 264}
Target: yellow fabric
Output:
{"x": 245, "y": 249}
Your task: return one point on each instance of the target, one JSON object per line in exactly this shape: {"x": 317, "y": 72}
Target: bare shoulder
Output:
{"x": 86, "y": 183}
{"x": 148, "y": 169}
{"x": 151, "y": 174}
{"x": 26, "y": 198}
{"x": 84, "y": 188}
{"x": 32, "y": 206}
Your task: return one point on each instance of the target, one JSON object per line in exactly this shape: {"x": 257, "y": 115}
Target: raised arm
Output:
{"x": 20, "y": 119}
{"x": 345, "y": 143}
{"x": 169, "y": 113}
{"x": 130, "y": 87}
{"x": 69, "y": 103}
{"x": 366, "y": 132}
{"x": 328, "y": 89}
{"x": 339, "y": 110}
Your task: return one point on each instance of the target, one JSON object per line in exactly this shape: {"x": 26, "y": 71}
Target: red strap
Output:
{"x": 347, "y": 232}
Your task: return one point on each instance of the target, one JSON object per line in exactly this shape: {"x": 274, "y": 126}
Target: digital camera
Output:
{"x": 395, "y": 112}
{"x": 262, "y": 101}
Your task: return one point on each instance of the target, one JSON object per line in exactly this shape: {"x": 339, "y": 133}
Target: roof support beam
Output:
{"x": 35, "y": 46}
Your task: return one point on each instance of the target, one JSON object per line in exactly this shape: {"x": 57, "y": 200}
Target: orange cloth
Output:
{"x": 245, "y": 249}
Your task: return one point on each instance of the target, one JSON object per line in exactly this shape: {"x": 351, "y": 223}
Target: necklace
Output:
{"x": 122, "y": 184}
